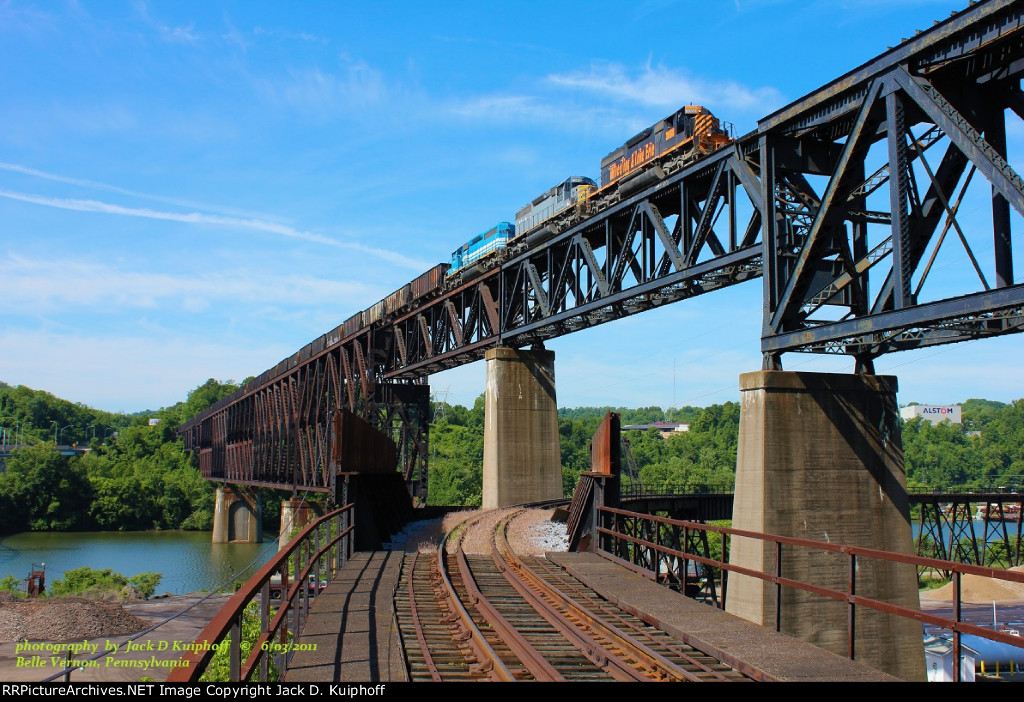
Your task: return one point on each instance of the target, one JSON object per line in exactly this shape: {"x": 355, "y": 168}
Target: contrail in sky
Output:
{"x": 218, "y": 220}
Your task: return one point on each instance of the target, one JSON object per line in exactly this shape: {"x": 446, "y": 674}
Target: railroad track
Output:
{"x": 505, "y": 618}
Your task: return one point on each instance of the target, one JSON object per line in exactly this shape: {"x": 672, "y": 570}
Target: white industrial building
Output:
{"x": 935, "y": 414}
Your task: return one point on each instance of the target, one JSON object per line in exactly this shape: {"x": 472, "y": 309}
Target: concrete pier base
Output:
{"x": 522, "y": 456}
{"x": 295, "y": 514}
{"x": 820, "y": 458}
{"x": 237, "y": 516}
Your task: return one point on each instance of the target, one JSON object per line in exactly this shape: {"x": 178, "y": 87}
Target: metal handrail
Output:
{"x": 853, "y": 552}
{"x": 332, "y": 540}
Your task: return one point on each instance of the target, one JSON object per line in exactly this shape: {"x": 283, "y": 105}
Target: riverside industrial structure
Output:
{"x": 837, "y": 203}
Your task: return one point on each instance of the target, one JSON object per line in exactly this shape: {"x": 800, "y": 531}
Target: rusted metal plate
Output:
{"x": 604, "y": 447}
{"x": 359, "y": 448}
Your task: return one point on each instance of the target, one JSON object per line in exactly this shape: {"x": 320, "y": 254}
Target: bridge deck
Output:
{"x": 353, "y": 625}
{"x": 749, "y": 647}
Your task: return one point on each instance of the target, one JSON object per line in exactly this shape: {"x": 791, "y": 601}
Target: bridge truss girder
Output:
{"x": 695, "y": 232}
{"x": 278, "y": 433}
{"x": 863, "y": 193}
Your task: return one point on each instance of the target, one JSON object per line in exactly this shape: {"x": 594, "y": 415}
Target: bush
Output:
{"x": 11, "y": 584}
{"x": 80, "y": 581}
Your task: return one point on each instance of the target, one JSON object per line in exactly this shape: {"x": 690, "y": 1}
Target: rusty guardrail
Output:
{"x": 310, "y": 559}
{"x": 617, "y": 544}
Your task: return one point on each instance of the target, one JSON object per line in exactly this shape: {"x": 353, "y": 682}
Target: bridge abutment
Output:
{"x": 295, "y": 513}
{"x": 522, "y": 456}
{"x": 820, "y": 458}
{"x": 237, "y": 516}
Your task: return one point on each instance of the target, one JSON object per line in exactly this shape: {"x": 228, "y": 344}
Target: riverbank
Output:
{"x": 148, "y": 655}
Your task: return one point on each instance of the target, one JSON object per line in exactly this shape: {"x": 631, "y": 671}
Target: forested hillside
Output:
{"x": 135, "y": 476}
{"x": 138, "y": 476}
{"x": 987, "y": 451}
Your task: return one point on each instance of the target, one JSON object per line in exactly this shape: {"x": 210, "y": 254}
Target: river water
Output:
{"x": 187, "y": 559}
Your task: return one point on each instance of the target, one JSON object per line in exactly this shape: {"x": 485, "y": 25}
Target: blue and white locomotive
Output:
{"x": 471, "y": 259}
{"x": 653, "y": 154}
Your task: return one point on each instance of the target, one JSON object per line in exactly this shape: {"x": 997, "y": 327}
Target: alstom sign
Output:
{"x": 933, "y": 413}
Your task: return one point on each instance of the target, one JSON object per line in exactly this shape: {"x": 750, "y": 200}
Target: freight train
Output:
{"x": 650, "y": 156}
{"x": 653, "y": 154}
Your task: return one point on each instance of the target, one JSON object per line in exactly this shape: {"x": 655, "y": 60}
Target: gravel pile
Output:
{"x": 975, "y": 588}
{"x": 531, "y": 533}
{"x": 64, "y": 619}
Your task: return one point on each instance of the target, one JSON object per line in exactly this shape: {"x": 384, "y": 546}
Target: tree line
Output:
{"x": 985, "y": 452}
{"x": 137, "y": 475}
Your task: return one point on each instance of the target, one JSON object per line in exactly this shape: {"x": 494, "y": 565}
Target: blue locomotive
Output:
{"x": 472, "y": 258}
{"x": 653, "y": 154}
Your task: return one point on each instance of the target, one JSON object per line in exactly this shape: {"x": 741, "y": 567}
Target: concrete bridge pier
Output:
{"x": 295, "y": 514}
{"x": 237, "y": 516}
{"x": 821, "y": 458}
{"x": 522, "y": 456}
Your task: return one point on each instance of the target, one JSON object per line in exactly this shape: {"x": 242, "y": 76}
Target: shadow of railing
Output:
{"x": 677, "y": 553}
{"x": 263, "y": 620}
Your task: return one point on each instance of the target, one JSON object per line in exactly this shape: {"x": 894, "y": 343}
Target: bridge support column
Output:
{"x": 237, "y": 516}
{"x": 820, "y": 458}
{"x": 295, "y": 513}
{"x": 522, "y": 457}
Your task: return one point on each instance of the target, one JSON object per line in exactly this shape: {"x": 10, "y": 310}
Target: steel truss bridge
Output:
{"x": 843, "y": 203}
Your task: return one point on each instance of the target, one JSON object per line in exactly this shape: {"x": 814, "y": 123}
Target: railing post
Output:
{"x": 851, "y": 613}
{"x": 657, "y": 552}
{"x": 235, "y": 650}
{"x": 264, "y": 627}
{"x": 778, "y": 586}
{"x": 294, "y": 609}
{"x": 686, "y": 561}
{"x": 725, "y": 573}
{"x": 349, "y": 538}
{"x": 319, "y": 559}
{"x": 339, "y": 548}
{"x": 956, "y": 618}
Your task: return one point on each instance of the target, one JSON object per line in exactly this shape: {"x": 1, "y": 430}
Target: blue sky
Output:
{"x": 197, "y": 189}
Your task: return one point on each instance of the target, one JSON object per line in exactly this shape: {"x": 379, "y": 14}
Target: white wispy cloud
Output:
{"x": 281, "y": 33}
{"x": 97, "y": 185}
{"x": 200, "y": 218}
{"x": 351, "y": 90}
{"x": 181, "y": 34}
{"x": 552, "y": 113}
{"x": 661, "y": 86}
{"x": 38, "y": 285}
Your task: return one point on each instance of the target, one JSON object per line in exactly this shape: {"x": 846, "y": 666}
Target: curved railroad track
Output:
{"x": 504, "y": 617}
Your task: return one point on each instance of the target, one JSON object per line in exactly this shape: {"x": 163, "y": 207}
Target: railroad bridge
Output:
{"x": 840, "y": 203}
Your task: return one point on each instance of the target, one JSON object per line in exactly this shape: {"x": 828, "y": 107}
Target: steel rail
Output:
{"x": 435, "y": 674}
{"x": 616, "y": 613}
{"x": 633, "y": 660}
{"x": 529, "y": 656}
{"x": 487, "y": 657}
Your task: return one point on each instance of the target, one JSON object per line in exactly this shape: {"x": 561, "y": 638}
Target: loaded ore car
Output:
{"x": 533, "y": 222}
{"x": 472, "y": 258}
{"x": 675, "y": 140}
